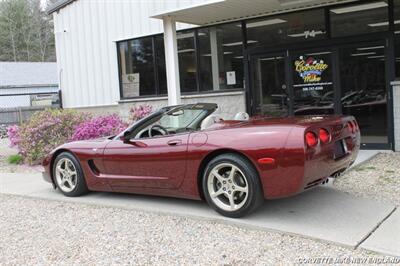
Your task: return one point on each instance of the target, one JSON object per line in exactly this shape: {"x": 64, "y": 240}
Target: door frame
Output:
{"x": 334, "y": 45}
{"x": 253, "y": 59}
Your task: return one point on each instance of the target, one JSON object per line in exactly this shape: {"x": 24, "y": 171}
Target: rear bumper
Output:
{"x": 323, "y": 162}
{"x": 302, "y": 169}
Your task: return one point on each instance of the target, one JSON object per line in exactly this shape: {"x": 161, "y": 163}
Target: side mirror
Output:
{"x": 125, "y": 137}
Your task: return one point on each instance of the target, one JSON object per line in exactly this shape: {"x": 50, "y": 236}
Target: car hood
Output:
{"x": 87, "y": 144}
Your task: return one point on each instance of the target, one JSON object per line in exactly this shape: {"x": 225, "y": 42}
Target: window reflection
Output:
{"x": 136, "y": 67}
{"x": 363, "y": 83}
{"x": 289, "y": 28}
{"x": 366, "y": 17}
{"x": 221, "y": 57}
{"x": 160, "y": 64}
{"x": 397, "y": 36}
{"x": 187, "y": 61}
{"x": 270, "y": 90}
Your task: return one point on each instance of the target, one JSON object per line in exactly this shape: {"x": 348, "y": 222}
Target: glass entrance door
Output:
{"x": 347, "y": 79}
{"x": 269, "y": 88}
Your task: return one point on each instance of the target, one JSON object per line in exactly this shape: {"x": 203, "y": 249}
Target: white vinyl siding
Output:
{"x": 86, "y": 33}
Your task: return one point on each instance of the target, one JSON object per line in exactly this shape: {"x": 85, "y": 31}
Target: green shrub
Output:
{"x": 14, "y": 159}
{"x": 45, "y": 131}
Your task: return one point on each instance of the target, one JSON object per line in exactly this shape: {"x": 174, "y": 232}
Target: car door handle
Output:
{"x": 174, "y": 142}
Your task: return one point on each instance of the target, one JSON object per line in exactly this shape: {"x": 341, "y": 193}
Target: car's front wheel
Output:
{"x": 68, "y": 175}
{"x": 231, "y": 185}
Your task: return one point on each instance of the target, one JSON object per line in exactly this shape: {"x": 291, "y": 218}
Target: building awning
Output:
{"x": 218, "y": 11}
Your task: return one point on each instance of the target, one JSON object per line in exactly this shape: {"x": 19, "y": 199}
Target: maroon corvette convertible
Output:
{"x": 187, "y": 151}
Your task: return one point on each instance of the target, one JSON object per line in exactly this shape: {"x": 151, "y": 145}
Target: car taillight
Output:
{"x": 324, "y": 135}
{"x": 351, "y": 126}
{"x": 311, "y": 139}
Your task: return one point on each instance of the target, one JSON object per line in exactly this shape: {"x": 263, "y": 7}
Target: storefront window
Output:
{"x": 397, "y": 54}
{"x": 160, "y": 64}
{"x": 136, "y": 67}
{"x": 363, "y": 18}
{"x": 397, "y": 35}
{"x": 290, "y": 28}
{"x": 221, "y": 57}
{"x": 364, "y": 95}
{"x": 187, "y": 61}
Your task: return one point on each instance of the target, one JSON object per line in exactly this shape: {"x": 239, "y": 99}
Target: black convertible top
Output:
{"x": 202, "y": 106}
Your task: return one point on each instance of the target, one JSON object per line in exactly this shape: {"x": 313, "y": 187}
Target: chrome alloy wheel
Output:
{"x": 228, "y": 187}
{"x": 66, "y": 175}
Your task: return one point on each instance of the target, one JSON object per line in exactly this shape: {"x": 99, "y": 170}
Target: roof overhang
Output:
{"x": 218, "y": 11}
{"x": 58, "y": 5}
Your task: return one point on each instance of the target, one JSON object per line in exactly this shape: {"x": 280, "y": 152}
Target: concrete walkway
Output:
{"x": 322, "y": 213}
{"x": 364, "y": 156}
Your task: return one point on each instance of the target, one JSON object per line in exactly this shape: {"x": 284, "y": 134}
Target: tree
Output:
{"x": 26, "y": 32}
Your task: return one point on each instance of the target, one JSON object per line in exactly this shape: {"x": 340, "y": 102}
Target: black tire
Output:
{"x": 255, "y": 197}
{"x": 80, "y": 188}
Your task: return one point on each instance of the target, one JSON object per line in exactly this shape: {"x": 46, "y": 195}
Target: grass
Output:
{"x": 14, "y": 159}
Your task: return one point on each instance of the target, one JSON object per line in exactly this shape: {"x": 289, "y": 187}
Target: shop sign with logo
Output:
{"x": 311, "y": 71}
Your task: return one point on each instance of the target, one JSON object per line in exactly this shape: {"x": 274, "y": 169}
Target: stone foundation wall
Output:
{"x": 99, "y": 110}
{"x": 396, "y": 113}
{"x": 229, "y": 103}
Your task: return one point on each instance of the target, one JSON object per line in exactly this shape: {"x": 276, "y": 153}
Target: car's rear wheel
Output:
{"x": 231, "y": 185}
{"x": 68, "y": 175}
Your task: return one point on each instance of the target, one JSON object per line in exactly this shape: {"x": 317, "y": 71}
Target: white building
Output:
{"x": 275, "y": 57}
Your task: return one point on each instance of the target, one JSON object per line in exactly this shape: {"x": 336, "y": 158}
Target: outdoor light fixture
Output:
{"x": 228, "y": 52}
{"x": 320, "y": 53}
{"x": 360, "y": 54}
{"x": 370, "y": 48}
{"x": 188, "y": 35}
{"x": 376, "y": 56}
{"x": 237, "y": 43}
{"x": 265, "y": 23}
{"x": 383, "y": 23}
{"x": 343, "y": 10}
{"x": 271, "y": 58}
{"x": 185, "y": 50}
{"x": 292, "y": 2}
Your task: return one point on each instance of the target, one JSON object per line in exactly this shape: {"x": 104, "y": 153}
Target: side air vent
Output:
{"x": 93, "y": 167}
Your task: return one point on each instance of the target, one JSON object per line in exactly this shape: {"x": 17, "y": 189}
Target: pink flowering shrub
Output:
{"x": 138, "y": 112}
{"x": 99, "y": 127}
{"x": 45, "y": 131}
{"x": 13, "y": 135}
{"x": 52, "y": 127}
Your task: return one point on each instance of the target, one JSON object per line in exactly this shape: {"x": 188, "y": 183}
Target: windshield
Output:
{"x": 171, "y": 120}
{"x": 181, "y": 118}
